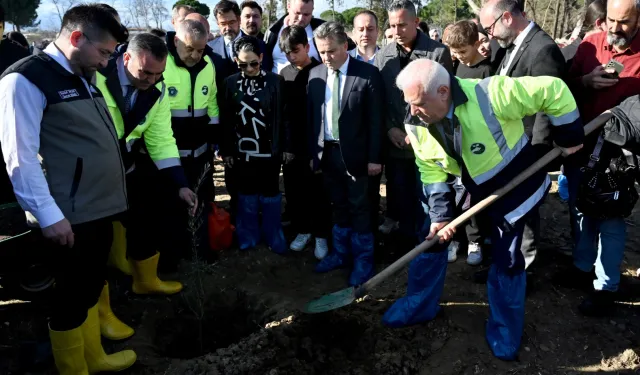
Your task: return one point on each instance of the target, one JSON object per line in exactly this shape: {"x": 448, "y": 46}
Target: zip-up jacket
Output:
{"x": 486, "y": 143}
{"x": 192, "y": 97}
{"x": 147, "y": 125}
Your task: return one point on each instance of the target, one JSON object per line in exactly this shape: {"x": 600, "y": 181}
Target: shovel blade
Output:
{"x": 331, "y": 301}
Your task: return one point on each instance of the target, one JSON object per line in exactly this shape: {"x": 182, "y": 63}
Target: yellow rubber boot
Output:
{"x": 68, "y": 351}
{"x": 110, "y": 326}
{"x": 97, "y": 359}
{"x": 146, "y": 281}
{"x": 118, "y": 253}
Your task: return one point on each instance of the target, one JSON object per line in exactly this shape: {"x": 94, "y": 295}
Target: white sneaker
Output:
{"x": 453, "y": 251}
{"x": 301, "y": 241}
{"x": 388, "y": 226}
{"x": 474, "y": 254}
{"x": 322, "y": 248}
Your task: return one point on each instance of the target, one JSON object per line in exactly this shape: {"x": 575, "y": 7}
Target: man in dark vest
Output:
{"x": 61, "y": 150}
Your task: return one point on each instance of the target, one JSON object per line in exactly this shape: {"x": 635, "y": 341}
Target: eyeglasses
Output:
{"x": 489, "y": 29}
{"x": 244, "y": 65}
{"x": 103, "y": 53}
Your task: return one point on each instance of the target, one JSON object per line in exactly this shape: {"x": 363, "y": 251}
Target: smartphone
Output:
{"x": 614, "y": 66}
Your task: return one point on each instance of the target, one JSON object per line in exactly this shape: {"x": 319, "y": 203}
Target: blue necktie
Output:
{"x": 127, "y": 99}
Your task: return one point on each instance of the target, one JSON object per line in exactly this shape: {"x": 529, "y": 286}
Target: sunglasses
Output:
{"x": 244, "y": 65}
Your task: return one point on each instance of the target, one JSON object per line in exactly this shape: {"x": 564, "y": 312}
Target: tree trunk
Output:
{"x": 546, "y": 12}
{"x": 555, "y": 21}
{"x": 564, "y": 16}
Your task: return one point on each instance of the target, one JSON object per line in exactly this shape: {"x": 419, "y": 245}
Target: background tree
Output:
{"x": 200, "y": 7}
{"x": 270, "y": 14}
{"x": 330, "y": 15}
{"x": 21, "y": 13}
{"x": 350, "y": 14}
{"x": 62, "y": 6}
{"x": 159, "y": 13}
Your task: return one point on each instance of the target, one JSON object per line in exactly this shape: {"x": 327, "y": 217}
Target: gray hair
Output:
{"x": 192, "y": 28}
{"x": 427, "y": 73}
{"x": 403, "y": 4}
{"x": 175, "y": 13}
{"x": 331, "y": 30}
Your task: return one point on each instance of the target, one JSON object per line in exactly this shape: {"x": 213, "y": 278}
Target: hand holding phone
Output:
{"x": 613, "y": 69}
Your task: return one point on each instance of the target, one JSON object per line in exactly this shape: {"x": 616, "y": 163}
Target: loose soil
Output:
{"x": 242, "y": 315}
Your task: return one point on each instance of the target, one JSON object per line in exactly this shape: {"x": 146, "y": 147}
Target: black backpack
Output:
{"x": 607, "y": 187}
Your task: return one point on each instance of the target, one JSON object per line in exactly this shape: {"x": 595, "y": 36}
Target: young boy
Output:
{"x": 307, "y": 203}
{"x": 463, "y": 42}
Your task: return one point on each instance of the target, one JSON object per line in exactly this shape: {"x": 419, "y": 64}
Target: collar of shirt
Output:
{"x": 520, "y": 38}
{"x": 450, "y": 113}
{"x": 356, "y": 54}
{"x": 229, "y": 43}
{"x": 122, "y": 75}
{"x": 344, "y": 67}
{"x": 59, "y": 57}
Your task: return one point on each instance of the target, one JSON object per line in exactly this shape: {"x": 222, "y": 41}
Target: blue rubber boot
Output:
{"x": 247, "y": 227}
{"x": 424, "y": 288}
{"x": 362, "y": 249}
{"x": 271, "y": 223}
{"x": 506, "y": 293}
{"x": 339, "y": 257}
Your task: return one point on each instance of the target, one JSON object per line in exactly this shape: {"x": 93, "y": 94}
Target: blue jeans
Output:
{"x": 601, "y": 243}
{"x": 597, "y": 242}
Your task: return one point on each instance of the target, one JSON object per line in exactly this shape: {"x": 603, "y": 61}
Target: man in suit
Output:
{"x": 529, "y": 51}
{"x": 344, "y": 101}
{"x": 403, "y": 183}
{"x": 251, "y": 23}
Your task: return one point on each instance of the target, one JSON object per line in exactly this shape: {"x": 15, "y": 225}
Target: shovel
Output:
{"x": 347, "y": 296}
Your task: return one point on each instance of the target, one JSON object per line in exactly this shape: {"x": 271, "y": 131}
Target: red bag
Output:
{"x": 220, "y": 228}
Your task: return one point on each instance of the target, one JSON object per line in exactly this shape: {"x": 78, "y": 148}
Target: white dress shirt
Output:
{"x": 280, "y": 59}
{"x": 125, "y": 83}
{"x": 516, "y": 46}
{"x": 21, "y": 108}
{"x": 328, "y": 94}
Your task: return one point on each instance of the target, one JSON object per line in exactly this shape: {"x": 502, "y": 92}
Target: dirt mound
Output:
{"x": 339, "y": 342}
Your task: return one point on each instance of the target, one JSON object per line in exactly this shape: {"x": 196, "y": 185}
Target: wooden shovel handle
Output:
{"x": 408, "y": 257}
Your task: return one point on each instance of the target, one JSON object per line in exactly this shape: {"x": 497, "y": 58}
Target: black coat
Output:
{"x": 360, "y": 123}
{"x": 10, "y": 53}
{"x": 623, "y": 129}
{"x": 539, "y": 55}
{"x": 272, "y": 100}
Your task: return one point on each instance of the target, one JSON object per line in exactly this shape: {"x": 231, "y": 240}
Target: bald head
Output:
{"x": 622, "y": 22}
{"x": 190, "y": 41}
{"x": 199, "y": 18}
{"x": 426, "y": 88}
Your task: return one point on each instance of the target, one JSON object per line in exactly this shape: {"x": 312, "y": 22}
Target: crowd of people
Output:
{"x": 109, "y": 139}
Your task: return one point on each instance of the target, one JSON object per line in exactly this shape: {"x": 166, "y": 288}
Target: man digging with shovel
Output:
{"x": 473, "y": 129}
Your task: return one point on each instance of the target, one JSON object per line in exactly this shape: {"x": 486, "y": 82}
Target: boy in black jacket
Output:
{"x": 463, "y": 40}
{"x": 307, "y": 203}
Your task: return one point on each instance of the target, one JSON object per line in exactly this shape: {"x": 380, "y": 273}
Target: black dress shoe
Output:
{"x": 599, "y": 304}
{"x": 574, "y": 278}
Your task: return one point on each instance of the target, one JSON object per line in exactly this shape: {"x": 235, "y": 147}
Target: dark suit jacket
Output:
{"x": 225, "y": 65}
{"x": 538, "y": 55}
{"x": 360, "y": 123}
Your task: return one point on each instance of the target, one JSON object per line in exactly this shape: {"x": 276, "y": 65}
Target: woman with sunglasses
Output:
{"x": 254, "y": 145}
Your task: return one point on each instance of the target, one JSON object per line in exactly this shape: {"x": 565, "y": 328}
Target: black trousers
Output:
{"x": 349, "y": 195}
{"x": 80, "y": 273}
{"x": 307, "y": 200}
{"x": 374, "y": 200}
{"x": 257, "y": 176}
{"x": 144, "y": 216}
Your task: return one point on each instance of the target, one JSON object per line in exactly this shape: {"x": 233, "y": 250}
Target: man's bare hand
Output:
{"x": 397, "y": 137}
{"x": 190, "y": 198}
{"x": 597, "y": 80}
{"x": 445, "y": 236}
{"x": 228, "y": 161}
{"x": 60, "y": 233}
{"x": 374, "y": 169}
{"x": 570, "y": 150}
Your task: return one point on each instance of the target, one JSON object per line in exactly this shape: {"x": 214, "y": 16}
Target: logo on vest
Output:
{"x": 173, "y": 91}
{"x": 66, "y": 94}
{"x": 205, "y": 90}
{"x": 477, "y": 148}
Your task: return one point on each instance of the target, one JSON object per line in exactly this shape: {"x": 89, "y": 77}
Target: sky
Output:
{"x": 49, "y": 19}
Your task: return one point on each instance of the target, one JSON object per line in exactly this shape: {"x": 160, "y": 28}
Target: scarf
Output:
{"x": 252, "y": 129}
